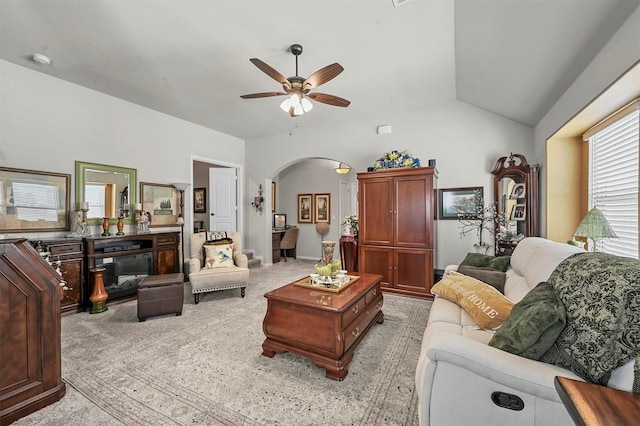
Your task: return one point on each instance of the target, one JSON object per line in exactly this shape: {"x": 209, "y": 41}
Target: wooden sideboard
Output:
{"x": 127, "y": 258}
{"x": 70, "y": 253}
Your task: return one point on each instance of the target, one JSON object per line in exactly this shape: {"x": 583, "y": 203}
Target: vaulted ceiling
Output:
{"x": 190, "y": 59}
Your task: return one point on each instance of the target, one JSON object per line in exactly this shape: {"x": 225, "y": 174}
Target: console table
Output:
{"x": 589, "y": 404}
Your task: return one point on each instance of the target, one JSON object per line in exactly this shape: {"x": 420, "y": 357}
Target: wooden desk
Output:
{"x": 276, "y": 237}
{"x": 594, "y": 405}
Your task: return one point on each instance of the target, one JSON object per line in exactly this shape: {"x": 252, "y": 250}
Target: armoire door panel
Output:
{"x": 376, "y": 207}
{"x": 413, "y": 270}
{"x": 377, "y": 260}
{"x": 414, "y": 218}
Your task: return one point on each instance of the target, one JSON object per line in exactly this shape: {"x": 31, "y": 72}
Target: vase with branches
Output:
{"x": 481, "y": 218}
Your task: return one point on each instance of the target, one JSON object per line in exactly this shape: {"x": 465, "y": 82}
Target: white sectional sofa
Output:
{"x": 458, "y": 371}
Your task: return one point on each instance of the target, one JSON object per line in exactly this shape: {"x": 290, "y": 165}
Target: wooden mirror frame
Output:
{"x": 81, "y": 169}
{"x": 516, "y": 167}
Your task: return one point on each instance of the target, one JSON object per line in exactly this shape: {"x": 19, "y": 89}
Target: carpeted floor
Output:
{"x": 206, "y": 366}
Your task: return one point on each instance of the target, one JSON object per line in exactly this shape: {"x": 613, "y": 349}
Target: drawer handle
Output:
{"x": 355, "y": 309}
{"x": 356, "y": 332}
{"x": 379, "y": 305}
{"x": 374, "y": 291}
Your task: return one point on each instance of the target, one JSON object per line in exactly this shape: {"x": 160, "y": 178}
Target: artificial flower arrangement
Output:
{"x": 351, "y": 222}
{"x": 396, "y": 159}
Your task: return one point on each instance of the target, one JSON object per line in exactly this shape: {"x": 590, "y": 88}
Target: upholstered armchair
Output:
{"x": 223, "y": 268}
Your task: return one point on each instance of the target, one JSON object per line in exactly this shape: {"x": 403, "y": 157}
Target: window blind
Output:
{"x": 613, "y": 186}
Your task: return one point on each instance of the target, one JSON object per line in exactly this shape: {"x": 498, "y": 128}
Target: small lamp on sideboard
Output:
{"x": 181, "y": 187}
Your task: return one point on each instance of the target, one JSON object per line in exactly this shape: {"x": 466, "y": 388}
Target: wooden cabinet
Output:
{"x": 166, "y": 257}
{"x": 70, "y": 253}
{"x": 30, "y": 371}
{"x": 515, "y": 188}
{"x": 276, "y": 237}
{"x": 396, "y": 229}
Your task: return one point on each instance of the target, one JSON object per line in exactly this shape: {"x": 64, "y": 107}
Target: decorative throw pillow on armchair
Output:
{"x": 218, "y": 256}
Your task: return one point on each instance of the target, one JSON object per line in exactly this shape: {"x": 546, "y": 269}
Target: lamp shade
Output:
{"x": 181, "y": 186}
{"x": 595, "y": 226}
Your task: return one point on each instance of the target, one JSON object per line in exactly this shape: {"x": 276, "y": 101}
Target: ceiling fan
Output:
{"x": 298, "y": 89}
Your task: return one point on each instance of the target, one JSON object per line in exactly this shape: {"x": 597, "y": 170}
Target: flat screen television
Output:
{"x": 279, "y": 221}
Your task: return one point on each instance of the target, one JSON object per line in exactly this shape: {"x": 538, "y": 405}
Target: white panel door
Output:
{"x": 223, "y": 200}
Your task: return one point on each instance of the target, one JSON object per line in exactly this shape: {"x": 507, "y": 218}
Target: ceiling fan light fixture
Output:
{"x": 286, "y": 105}
{"x": 306, "y": 104}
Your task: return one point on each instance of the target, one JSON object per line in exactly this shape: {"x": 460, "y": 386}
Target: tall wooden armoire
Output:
{"x": 396, "y": 228}
{"x": 30, "y": 371}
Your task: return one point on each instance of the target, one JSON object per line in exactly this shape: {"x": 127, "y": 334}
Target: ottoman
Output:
{"x": 160, "y": 295}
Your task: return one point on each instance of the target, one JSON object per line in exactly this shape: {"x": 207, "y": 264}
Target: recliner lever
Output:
{"x": 507, "y": 400}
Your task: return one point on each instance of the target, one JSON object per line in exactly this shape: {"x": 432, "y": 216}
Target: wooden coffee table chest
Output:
{"x": 321, "y": 325}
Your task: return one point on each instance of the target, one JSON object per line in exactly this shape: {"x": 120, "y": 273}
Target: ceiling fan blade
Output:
{"x": 323, "y": 75}
{"x": 262, "y": 95}
{"x": 329, "y": 99}
{"x": 270, "y": 71}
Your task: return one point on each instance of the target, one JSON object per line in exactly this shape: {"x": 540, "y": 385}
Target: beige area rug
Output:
{"x": 206, "y": 367}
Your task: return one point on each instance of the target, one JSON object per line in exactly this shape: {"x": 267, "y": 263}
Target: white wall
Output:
{"x": 466, "y": 142}
{"x": 616, "y": 57}
{"x": 47, "y": 123}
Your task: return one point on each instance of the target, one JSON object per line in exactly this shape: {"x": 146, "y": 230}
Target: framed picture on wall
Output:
{"x": 160, "y": 202}
{"x": 452, "y": 201}
{"x": 273, "y": 197}
{"x": 305, "y": 208}
{"x": 322, "y": 210}
{"x": 32, "y": 200}
{"x": 199, "y": 200}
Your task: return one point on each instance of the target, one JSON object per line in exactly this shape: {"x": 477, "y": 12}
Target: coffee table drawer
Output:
{"x": 358, "y": 327}
{"x": 353, "y": 312}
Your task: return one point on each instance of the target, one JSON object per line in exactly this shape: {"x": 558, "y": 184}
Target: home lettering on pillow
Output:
{"x": 487, "y": 306}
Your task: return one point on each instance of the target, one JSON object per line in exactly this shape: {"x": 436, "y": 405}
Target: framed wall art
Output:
{"x": 452, "y": 201}
{"x": 322, "y": 210}
{"x": 33, "y": 201}
{"x": 273, "y": 197}
{"x": 200, "y": 200}
{"x": 161, "y": 202}
{"x": 305, "y": 208}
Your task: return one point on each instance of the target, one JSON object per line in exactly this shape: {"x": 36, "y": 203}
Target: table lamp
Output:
{"x": 595, "y": 226}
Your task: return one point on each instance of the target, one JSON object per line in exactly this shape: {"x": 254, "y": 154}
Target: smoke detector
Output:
{"x": 41, "y": 59}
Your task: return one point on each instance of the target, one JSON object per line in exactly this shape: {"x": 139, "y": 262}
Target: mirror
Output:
{"x": 516, "y": 199}
{"x": 509, "y": 199}
{"x": 110, "y": 191}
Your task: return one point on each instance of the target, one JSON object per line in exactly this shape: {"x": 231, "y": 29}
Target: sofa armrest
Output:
{"x": 530, "y": 376}
{"x": 241, "y": 260}
{"x": 449, "y": 268}
{"x": 194, "y": 265}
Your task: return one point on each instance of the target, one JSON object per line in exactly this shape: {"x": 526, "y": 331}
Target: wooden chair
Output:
{"x": 289, "y": 241}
